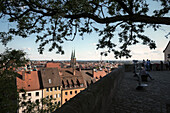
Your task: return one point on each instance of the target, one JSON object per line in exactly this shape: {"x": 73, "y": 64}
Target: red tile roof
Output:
{"x": 53, "y": 65}
{"x": 31, "y": 81}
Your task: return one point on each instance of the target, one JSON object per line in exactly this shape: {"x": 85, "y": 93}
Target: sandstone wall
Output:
{"x": 96, "y": 98}
{"x": 154, "y": 67}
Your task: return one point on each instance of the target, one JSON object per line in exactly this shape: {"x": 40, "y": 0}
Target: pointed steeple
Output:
{"x": 74, "y": 56}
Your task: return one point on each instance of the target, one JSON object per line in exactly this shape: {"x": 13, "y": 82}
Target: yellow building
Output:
{"x": 51, "y": 84}
{"x": 72, "y": 83}
{"x": 67, "y": 94}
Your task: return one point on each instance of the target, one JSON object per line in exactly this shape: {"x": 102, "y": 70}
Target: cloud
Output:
{"x": 94, "y": 44}
{"x": 27, "y": 49}
{"x": 156, "y": 52}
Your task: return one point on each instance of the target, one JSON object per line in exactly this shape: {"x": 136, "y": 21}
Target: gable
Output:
{"x": 168, "y": 46}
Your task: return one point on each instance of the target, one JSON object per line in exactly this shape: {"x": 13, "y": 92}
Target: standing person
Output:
{"x": 148, "y": 65}
{"x": 168, "y": 64}
{"x": 144, "y": 63}
{"x": 161, "y": 65}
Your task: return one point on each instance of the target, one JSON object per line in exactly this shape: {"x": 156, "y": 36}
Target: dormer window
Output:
{"x": 168, "y": 56}
{"x": 63, "y": 84}
{"x": 49, "y": 81}
{"x": 78, "y": 83}
{"x": 81, "y": 85}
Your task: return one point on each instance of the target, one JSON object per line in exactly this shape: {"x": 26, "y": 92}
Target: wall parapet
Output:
{"x": 97, "y": 97}
{"x": 153, "y": 67}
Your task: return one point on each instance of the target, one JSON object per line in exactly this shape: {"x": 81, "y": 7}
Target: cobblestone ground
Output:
{"x": 152, "y": 99}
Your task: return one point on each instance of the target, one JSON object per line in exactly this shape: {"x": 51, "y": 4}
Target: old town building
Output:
{"x": 167, "y": 52}
{"x": 51, "y": 84}
{"x": 29, "y": 88}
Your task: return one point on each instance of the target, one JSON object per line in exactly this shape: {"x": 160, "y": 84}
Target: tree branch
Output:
{"x": 133, "y": 18}
{"x": 124, "y": 6}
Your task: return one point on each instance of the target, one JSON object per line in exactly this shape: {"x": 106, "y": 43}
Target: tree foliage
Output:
{"x": 10, "y": 60}
{"x": 57, "y": 21}
{"x": 10, "y": 101}
{"x": 45, "y": 105}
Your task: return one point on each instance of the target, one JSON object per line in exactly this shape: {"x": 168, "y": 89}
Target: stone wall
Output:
{"x": 97, "y": 97}
{"x": 154, "y": 67}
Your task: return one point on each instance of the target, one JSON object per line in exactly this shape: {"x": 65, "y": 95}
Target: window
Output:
{"x": 59, "y": 88}
{"x": 70, "y": 92}
{"x": 59, "y": 95}
{"x": 23, "y": 95}
{"x": 168, "y": 55}
{"x": 49, "y": 80}
{"x": 55, "y": 88}
{"x": 29, "y": 94}
{"x": 72, "y": 83}
{"x": 75, "y": 92}
{"x": 65, "y": 93}
{"x": 81, "y": 85}
{"x": 47, "y": 97}
{"x": 29, "y": 101}
{"x": 51, "y": 89}
{"x": 55, "y": 102}
{"x": 78, "y": 83}
{"x": 28, "y": 85}
{"x": 37, "y": 101}
{"x": 58, "y": 102}
{"x": 47, "y": 89}
{"x": 37, "y": 93}
{"x": 23, "y": 103}
{"x": 56, "y": 96}
{"x": 51, "y": 96}
{"x": 65, "y": 100}
{"x": 63, "y": 84}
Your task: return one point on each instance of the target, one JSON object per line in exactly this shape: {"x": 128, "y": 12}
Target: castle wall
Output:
{"x": 97, "y": 97}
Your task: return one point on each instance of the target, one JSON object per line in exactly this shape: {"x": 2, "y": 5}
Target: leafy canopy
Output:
{"x": 57, "y": 21}
{"x": 10, "y": 61}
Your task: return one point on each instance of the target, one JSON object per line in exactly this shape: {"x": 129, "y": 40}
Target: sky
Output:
{"x": 86, "y": 48}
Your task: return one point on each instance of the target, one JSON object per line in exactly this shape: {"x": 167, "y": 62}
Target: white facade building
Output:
{"x": 30, "y": 96}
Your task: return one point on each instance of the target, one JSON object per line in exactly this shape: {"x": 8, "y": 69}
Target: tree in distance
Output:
{"x": 57, "y": 21}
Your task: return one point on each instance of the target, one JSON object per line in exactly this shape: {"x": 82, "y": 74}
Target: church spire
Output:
{"x": 74, "y": 56}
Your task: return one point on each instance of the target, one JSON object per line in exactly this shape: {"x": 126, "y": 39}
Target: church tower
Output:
{"x": 73, "y": 60}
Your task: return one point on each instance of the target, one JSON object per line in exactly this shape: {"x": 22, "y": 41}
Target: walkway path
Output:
{"x": 152, "y": 99}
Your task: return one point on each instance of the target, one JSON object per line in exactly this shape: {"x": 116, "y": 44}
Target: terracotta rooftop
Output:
{"x": 53, "y": 65}
{"x": 28, "y": 81}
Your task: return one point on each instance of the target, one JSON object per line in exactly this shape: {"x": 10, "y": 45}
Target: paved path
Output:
{"x": 152, "y": 99}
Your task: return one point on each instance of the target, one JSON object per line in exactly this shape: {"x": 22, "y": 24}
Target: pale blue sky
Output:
{"x": 86, "y": 49}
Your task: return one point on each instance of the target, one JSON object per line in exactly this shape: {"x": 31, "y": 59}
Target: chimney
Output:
{"x": 80, "y": 68}
{"x": 74, "y": 72}
{"x": 93, "y": 72}
{"x": 23, "y": 75}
